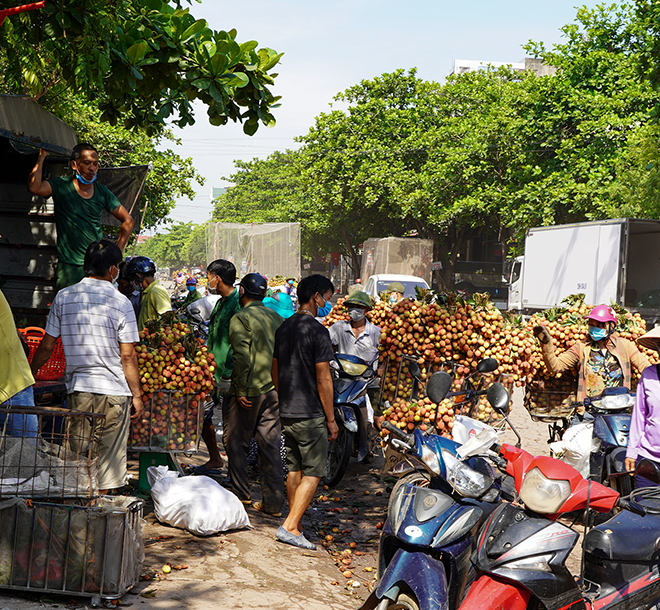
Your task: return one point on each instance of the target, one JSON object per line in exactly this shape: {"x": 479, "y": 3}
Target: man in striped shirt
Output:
{"x": 98, "y": 329}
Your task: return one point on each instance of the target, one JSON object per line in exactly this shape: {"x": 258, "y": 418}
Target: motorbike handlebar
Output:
{"x": 633, "y": 507}
{"x": 400, "y": 433}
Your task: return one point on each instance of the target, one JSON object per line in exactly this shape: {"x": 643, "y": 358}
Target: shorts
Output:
{"x": 220, "y": 394}
{"x": 113, "y": 439}
{"x": 306, "y": 442}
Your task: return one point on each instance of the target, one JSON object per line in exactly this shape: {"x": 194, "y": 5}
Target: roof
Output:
{"x": 397, "y": 277}
{"x": 23, "y": 120}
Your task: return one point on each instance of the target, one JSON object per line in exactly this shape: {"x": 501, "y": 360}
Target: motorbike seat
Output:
{"x": 626, "y": 537}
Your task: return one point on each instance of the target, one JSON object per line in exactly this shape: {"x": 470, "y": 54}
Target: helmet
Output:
{"x": 357, "y": 297}
{"x": 254, "y": 284}
{"x": 396, "y": 287}
{"x": 602, "y": 313}
{"x": 191, "y": 281}
{"x": 140, "y": 264}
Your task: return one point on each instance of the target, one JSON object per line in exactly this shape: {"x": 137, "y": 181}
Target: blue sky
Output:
{"x": 330, "y": 46}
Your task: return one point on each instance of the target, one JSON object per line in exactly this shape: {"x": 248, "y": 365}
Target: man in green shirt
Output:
{"x": 253, "y": 408}
{"x": 221, "y": 275}
{"x": 192, "y": 294}
{"x": 79, "y": 203}
{"x": 155, "y": 299}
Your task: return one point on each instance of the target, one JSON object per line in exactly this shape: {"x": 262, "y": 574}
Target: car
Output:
{"x": 379, "y": 283}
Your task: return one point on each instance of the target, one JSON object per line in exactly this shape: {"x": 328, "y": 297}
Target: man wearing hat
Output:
{"x": 253, "y": 408}
{"x": 192, "y": 293}
{"x": 359, "y": 337}
{"x": 644, "y": 435}
{"x": 396, "y": 290}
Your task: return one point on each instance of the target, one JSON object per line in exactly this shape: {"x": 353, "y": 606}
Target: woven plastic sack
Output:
{"x": 195, "y": 503}
{"x": 575, "y": 447}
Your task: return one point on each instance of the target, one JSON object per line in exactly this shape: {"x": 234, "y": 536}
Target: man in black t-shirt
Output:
{"x": 301, "y": 373}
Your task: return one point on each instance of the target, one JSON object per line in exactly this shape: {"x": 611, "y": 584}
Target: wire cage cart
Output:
{"x": 93, "y": 551}
{"x": 49, "y": 453}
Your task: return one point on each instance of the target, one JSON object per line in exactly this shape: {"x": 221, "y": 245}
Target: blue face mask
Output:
{"x": 79, "y": 178}
{"x": 597, "y": 334}
{"x": 190, "y": 288}
{"x": 325, "y": 310}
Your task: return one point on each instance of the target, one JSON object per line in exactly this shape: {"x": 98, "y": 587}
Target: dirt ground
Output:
{"x": 251, "y": 569}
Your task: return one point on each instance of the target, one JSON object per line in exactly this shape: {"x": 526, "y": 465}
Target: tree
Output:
{"x": 168, "y": 249}
{"x": 142, "y": 61}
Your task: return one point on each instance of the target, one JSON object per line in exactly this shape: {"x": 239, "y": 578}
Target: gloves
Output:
{"x": 542, "y": 334}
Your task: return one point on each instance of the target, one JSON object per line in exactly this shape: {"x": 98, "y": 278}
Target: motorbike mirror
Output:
{"x": 438, "y": 386}
{"x": 413, "y": 367}
{"x": 498, "y": 398}
{"x": 487, "y": 365}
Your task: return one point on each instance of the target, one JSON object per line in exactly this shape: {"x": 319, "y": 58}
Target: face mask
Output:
{"x": 356, "y": 314}
{"x": 392, "y": 299}
{"x": 290, "y": 282}
{"x": 597, "y": 334}
{"x": 79, "y": 178}
{"x": 190, "y": 288}
{"x": 325, "y": 310}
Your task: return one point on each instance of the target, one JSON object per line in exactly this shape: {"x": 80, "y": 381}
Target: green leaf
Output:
{"x": 193, "y": 30}
{"x": 202, "y": 83}
{"x": 136, "y": 52}
{"x": 250, "y": 128}
{"x": 235, "y": 79}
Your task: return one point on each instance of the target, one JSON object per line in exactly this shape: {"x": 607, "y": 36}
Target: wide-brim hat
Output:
{"x": 651, "y": 339}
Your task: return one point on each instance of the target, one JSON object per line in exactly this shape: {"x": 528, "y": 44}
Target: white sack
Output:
{"x": 197, "y": 504}
{"x": 575, "y": 447}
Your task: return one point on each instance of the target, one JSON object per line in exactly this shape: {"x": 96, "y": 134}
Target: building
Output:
{"x": 461, "y": 66}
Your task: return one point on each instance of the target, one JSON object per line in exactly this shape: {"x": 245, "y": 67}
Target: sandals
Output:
{"x": 259, "y": 506}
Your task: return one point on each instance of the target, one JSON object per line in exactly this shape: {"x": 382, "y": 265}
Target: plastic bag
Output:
{"x": 465, "y": 428}
{"x": 196, "y": 503}
{"x": 575, "y": 447}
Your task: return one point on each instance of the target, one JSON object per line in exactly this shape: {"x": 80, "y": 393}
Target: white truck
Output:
{"x": 608, "y": 261}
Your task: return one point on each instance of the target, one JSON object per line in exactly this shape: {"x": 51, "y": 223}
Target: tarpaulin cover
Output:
{"x": 269, "y": 248}
{"x": 127, "y": 184}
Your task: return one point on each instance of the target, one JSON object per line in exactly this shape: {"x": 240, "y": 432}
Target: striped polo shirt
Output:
{"x": 93, "y": 318}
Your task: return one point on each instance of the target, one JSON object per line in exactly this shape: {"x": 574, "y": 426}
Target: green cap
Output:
{"x": 358, "y": 297}
{"x": 396, "y": 287}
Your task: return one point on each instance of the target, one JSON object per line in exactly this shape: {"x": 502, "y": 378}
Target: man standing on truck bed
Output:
{"x": 78, "y": 207}
{"x": 604, "y": 360}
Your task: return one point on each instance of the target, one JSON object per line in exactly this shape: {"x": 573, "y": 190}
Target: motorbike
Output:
{"x": 429, "y": 534}
{"x": 604, "y": 450}
{"x": 521, "y": 551}
{"x": 352, "y": 377}
{"x": 418, "y": 466}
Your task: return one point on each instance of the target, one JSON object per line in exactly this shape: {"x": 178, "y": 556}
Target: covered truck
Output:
{"x": 608, "y": 261}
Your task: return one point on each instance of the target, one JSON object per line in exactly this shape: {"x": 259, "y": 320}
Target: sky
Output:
{"x": 330, "y": 46}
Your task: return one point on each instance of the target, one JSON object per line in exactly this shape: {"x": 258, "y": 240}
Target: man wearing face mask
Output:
{"x": 192, "y": 294}
{"x": 98, "y": 330}
{"x": 253, "y": 409}
{"x": 155, "y": 299}
{"x": 396, "y": 290}
{"x": 79, "y": 202}
{"x": 359, "y": 337}
{"x": 604, "y": 360}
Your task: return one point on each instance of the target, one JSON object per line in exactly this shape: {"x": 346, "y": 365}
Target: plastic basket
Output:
{"x": 55, "y": 365}
{"x": 171, "y": 422}
{"x": 77, "y": 550}
{"x": 548, "y": 404}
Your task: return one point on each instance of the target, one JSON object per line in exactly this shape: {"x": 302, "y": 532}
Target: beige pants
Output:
{"x": 113, "y": 441}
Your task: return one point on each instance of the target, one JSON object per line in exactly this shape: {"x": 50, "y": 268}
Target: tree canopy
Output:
{"x": 143, "y": 62}
{"x": 495, "y": 148}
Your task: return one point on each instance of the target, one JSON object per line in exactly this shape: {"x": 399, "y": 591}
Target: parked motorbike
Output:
{"x": 521, "y": 552}
{"x": 604, "y": 450}
{"x": 428, "y": 538}
{"x": 352, "y": 376}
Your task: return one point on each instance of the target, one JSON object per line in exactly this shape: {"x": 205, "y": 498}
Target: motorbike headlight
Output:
{"x": 544, "y": 495}
{"x": 400, "y": 502}
{"x": 537, "y": 563}
{"x": 464, "y": 479}
{"x": 431, "y": 459}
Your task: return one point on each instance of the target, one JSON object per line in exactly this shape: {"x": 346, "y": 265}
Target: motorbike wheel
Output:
{"x": 624, "y": 485}
{"x": 418, "y": 478}
{"x": 339, "y": 452}
{"x": 404, "y": 602}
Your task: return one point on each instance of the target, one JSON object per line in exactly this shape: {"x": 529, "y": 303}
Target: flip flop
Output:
{"x": 258, "y": 506}
{"x": 204, "y": 470}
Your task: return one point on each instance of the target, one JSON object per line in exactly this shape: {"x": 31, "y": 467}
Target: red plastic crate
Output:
{"x": 56, "y": 364}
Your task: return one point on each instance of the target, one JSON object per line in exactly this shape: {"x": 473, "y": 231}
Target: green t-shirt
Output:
{"x": 78, "y": 220}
